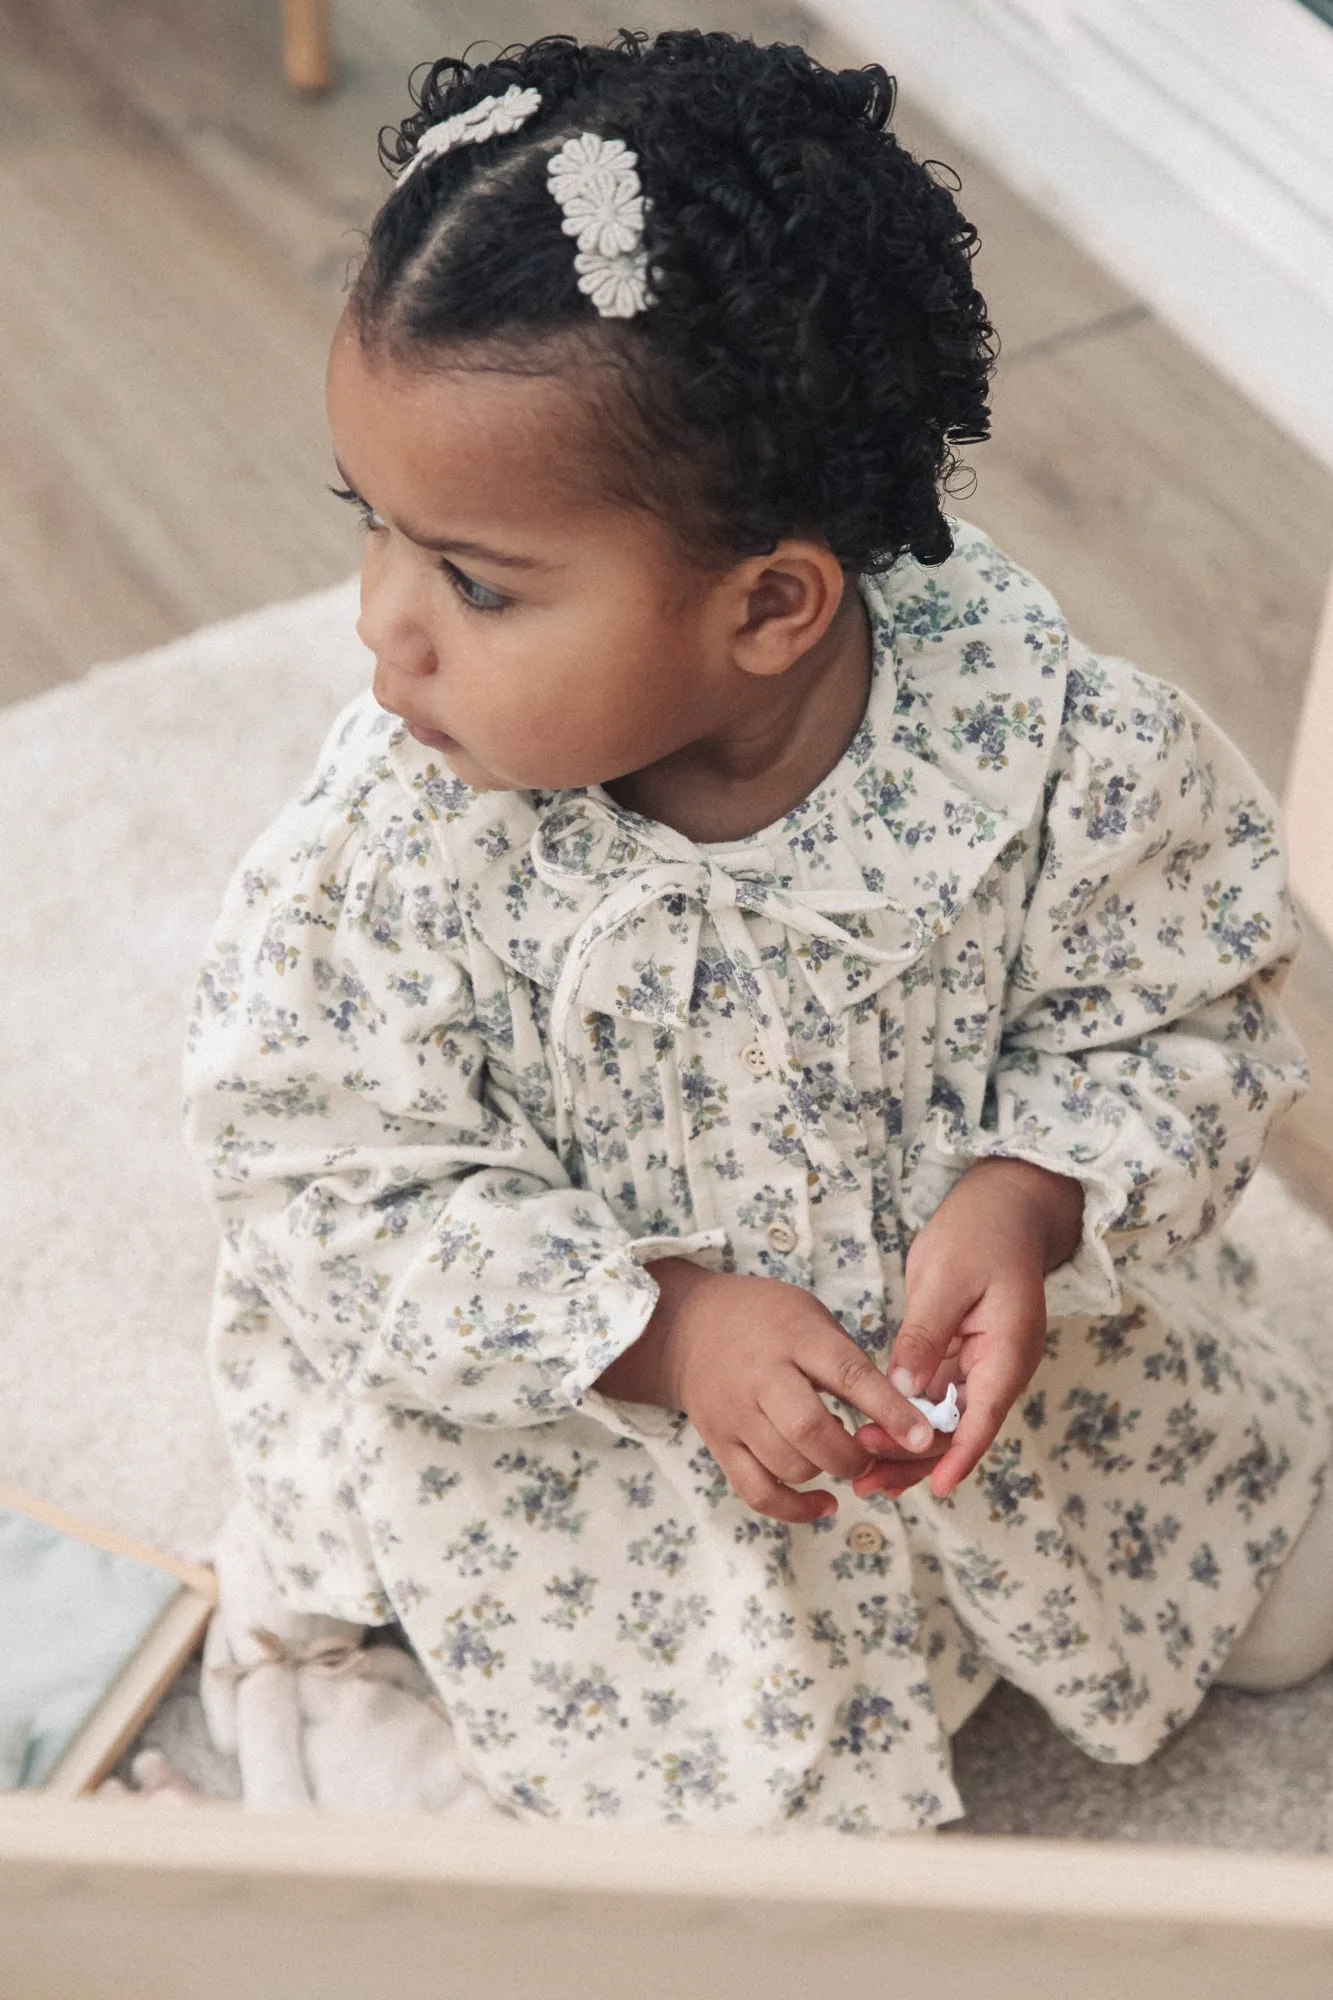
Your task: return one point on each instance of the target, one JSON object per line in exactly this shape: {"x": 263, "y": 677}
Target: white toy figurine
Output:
{"x": 941, "y": 1416}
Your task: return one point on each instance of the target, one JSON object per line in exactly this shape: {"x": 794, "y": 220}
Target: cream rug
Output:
{"x": 126, "y": 800}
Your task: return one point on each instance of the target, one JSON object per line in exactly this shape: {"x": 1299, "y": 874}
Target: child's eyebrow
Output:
{"x": 447, "y": 545}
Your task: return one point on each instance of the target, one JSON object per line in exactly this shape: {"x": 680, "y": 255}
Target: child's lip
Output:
{"x": 434, "y": 739}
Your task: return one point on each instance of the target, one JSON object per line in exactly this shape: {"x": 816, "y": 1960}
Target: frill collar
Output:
{"x": 945, "y": 771}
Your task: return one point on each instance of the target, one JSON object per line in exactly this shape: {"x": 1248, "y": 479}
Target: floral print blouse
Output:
{"x": 463, "y": 1064}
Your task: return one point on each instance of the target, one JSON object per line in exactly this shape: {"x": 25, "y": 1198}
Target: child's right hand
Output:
{"x": 745, "y": 1358}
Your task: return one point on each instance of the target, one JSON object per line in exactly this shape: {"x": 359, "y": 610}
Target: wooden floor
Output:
{"x": 175, "y": 233}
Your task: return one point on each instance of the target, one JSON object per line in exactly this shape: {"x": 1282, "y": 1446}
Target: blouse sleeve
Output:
{"x": 1143, "y": 1052}
{"x": 405, "y": 1220}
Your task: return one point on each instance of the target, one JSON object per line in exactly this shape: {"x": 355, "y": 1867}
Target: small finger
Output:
{"x": 766, "y": 1495}
{"x": 794, "y": 1408}
{"x": 839, "y": 1366}
{"x": 948, "y": 1371}
{"x": 881, "y": 1446}
{"x": 963, "y": 1457}
{"x": 988, "y": 1404}
{"x": 1008, "y": 1359}
{"x": 936, "y": 1308}
{"x": 894, "y": 1477}
{"x": 920, "y": 1349}
{"x": 893, "y": 1470}
{"x": 776, "y": 1453}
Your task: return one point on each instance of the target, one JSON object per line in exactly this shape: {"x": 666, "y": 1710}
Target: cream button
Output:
{"x": 865, "y": 1538}
{"x": 754, "y": 1058}
{"x": 781, "y": 1236}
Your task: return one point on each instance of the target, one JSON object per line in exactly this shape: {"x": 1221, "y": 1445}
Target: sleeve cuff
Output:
{"x": 1088, "y": 1284}
{"x": 704, "y": 1246}
{"x": 641, "y": 1421}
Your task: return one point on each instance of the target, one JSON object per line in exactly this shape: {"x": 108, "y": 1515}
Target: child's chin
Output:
{"x": 476, "y": 775}
{"x": 473, "y": 774}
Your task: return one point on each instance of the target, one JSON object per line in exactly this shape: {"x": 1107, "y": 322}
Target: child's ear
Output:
{"x": 785, "y": 603}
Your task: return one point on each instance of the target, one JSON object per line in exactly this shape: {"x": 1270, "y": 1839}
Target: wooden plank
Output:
{"x": 186, "y": 443}
{"x": 128, "y": 1703}
{"x": 103, "y": 1899}
{"x": 195, "y": 1576}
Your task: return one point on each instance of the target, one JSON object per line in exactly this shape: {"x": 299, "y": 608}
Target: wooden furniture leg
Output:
{"x": 307, "y": 44}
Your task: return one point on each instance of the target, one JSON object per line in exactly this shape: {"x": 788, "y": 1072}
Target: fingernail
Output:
{"x": 903, "y": 1382}
{"x": 919, "y": 1437}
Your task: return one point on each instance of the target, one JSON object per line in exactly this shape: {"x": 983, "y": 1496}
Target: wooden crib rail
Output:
{"x": 101, "y": 1899}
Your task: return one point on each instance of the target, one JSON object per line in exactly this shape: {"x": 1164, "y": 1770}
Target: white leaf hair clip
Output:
{"x": 596, "y": 186}
{"x": 493, "y": 117}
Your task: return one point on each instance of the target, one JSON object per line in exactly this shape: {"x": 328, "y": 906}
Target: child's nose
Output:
{"x": 398, "y": 640}
{"x": 413, "y": 663}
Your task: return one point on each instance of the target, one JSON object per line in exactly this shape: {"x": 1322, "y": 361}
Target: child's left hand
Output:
{"x": 976, "y": 1311}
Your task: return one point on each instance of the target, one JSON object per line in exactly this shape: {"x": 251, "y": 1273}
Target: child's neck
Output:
{"x": 744, "y": 779}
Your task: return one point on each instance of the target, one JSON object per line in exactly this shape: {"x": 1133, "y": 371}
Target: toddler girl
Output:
{"x": 744, "y": 967}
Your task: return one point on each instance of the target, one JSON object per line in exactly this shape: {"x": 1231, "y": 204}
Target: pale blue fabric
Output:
{"x": 71, "y": 1617}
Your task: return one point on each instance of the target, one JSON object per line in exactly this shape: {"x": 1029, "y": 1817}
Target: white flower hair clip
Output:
{"x": 595, "y": 184}
{"x": 493, "y": 117}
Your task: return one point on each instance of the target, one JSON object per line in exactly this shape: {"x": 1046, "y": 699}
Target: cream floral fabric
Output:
{"x": 463, "y": 1064}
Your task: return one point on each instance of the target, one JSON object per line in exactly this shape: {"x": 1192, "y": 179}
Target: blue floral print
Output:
{"x": 463, "y": 1065}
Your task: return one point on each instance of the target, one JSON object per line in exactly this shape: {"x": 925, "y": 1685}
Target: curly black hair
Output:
{"x": 815, "y": 345}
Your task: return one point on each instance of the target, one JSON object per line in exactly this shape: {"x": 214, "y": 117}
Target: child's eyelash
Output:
{"x": 463, "y": 584}
{"x": 461, "y": 581}
{"x": 368, "y": 515}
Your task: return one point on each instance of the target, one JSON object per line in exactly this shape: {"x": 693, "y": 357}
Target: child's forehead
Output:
{"x": 449, "y": 429}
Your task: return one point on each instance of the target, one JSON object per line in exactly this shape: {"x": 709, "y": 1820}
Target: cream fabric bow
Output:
{"x": 582, "y": 840}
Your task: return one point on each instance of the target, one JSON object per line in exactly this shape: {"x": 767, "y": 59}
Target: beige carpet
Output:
{"x": 125, "y": 801}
